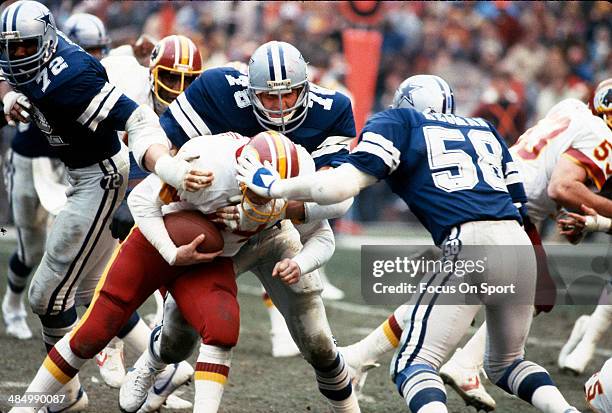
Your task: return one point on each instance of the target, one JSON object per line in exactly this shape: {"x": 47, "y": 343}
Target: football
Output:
{"x": 184, "y": 226}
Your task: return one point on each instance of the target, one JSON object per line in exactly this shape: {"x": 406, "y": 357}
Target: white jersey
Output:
{"x": 568, "y": 129}
{"x": 130, "y": 77}
{"x": 217, "y": 153}
{"x": 599, "y": 389}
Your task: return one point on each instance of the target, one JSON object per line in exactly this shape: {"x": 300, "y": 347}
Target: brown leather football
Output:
{"x": 184, "y": 226}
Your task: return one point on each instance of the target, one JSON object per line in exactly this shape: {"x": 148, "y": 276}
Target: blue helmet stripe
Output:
{"x": 444, "y": 103}
{"x": 282, "y": 62}
{"x": 270, "y": 63}
{"x": 15, "y": 16}
{"x": 4, "y": 20}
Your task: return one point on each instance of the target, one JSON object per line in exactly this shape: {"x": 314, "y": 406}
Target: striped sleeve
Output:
{"x": 184, "y": 118}
{"x": 100, "y": 106}
{"x": 332, "y": 151}
{"x": 375, "y": 154}
{"x": 595, "y": 168}
{"x": 512, "y": 174}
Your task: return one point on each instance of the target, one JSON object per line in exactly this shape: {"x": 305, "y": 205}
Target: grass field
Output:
{"x": 260, "y": 383}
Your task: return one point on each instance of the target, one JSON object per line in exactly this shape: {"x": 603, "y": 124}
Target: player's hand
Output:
{"x": 16, "y": 108}
{"x": 228, "y": 216}
{"x": 189, "y": 255}
{"x": 257, "y": 177}
{"x": 122, "y": 222}
{"x": 196, "y": 180}
{"x": 287, "y": 270}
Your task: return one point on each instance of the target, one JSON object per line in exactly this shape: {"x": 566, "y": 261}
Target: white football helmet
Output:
{"x": 28, "y": 40}
{"x": 278, "y": 68}
{"x": 87, "y": 31}
{"x": 425, "y": 93}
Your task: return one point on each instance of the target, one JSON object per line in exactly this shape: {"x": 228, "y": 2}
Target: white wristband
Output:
{"x": 597, "y": 223}
{"x": 172, "y": 170}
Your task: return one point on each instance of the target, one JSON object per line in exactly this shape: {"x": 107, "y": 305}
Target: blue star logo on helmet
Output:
{"x": 46, "y": 19}
{"x": 407, "y": 92}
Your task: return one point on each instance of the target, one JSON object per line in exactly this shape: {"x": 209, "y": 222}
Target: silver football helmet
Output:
{"x": 27, "y": 41}
{"x": 278, "y": 68}
{"x": 87, "y": 31}
{"x": 425, "y": 93}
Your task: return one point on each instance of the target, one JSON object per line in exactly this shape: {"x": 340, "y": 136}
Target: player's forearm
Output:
{"x": 145, "y": 207}
{"x": 319, "y": 245}
{"x": 146, "y": 138}
{"x": 4, "y": 88}
{"x": 572, "y": 194}
{"x": 324, "y": 187}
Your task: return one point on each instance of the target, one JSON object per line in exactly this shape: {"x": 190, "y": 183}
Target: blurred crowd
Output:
{"x": 507, "y": 61}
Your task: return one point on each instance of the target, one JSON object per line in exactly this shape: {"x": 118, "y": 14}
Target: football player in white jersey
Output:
{"x": 174, "y": 64}
{"x": 556, "y": 158}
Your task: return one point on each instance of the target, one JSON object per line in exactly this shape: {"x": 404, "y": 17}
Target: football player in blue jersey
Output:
{"x": 274, "y": 94}
{"x": 458, "y": 178}
{"x": 66, "y": 93}
{"x": 28, "y": 211}
{"x": 29, "y": 147}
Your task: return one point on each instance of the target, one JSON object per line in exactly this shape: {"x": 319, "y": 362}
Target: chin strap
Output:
{"x": 259, "y": 215}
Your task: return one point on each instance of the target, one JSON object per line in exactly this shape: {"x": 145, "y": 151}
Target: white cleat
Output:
{"x": 466, "y": 382}
{"x": 15, "y": 320}
{"x": 135, "y": 388}
{"x": 330, "y": 291}
{"x": 77, "y": 404}
{"x": 166, "y": 382}
{"x": 174, "y": 402}
{"x": 575, "y": 337}
{"x": 110, "y": 363}
{"x": 358, "y": 371}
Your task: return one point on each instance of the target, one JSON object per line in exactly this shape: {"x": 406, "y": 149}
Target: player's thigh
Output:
{"x": 206, "y": 296}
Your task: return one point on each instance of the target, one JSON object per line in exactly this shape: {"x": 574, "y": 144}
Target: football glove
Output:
{"x": 257, "y": 177}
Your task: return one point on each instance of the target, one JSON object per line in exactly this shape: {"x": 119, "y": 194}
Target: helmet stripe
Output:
{"x": 276, "y": 62}
{"x": 5, "y": 19}
{"x": 281, "y": 154}
{"x": 177, "y": 50}
{"x": 270, "y": 63}
{"x": 184, "y": 50}
{"x": 272, "y": 150}
{"x": 15, "y": 17}
{"x": 191, "y": 53}
{"x": 281, "y": 55}
{"x": 445, "y": 101}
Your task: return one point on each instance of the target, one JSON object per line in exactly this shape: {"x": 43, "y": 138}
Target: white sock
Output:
{"x": 383, "y": 339}
{"x": 13, "y": 299}
{"x": 433, "y": 407}
{"x": 549, "y": 399}
{"x": 472, "y": 354}
{"x": 211, "y": 372}
{"x": 138, "y": 338}
{"x": 58, "y": 369}
{"x": 153, "y": 349}
{"x": 598, "y": 324}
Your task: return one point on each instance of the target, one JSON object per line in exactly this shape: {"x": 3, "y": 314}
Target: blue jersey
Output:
{"x": 217, "y": 102}
{"x": 30, "y": 142}
{"x": 76, "y": 108}
{"x": 448, "y": 169}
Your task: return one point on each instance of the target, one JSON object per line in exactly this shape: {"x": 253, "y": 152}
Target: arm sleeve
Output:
{"x": 319, "y": 245}
{"x": 95, "y": 102}
{"x": 332, "y": 151}
{"x": 314, "y": 212}
{"x": 378, "y": 150}
{"x": 145, "y": 205}
{"x": 143, "y": 131}
{"x": 512, "y": 175}
{"x": 185, "y": 118}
